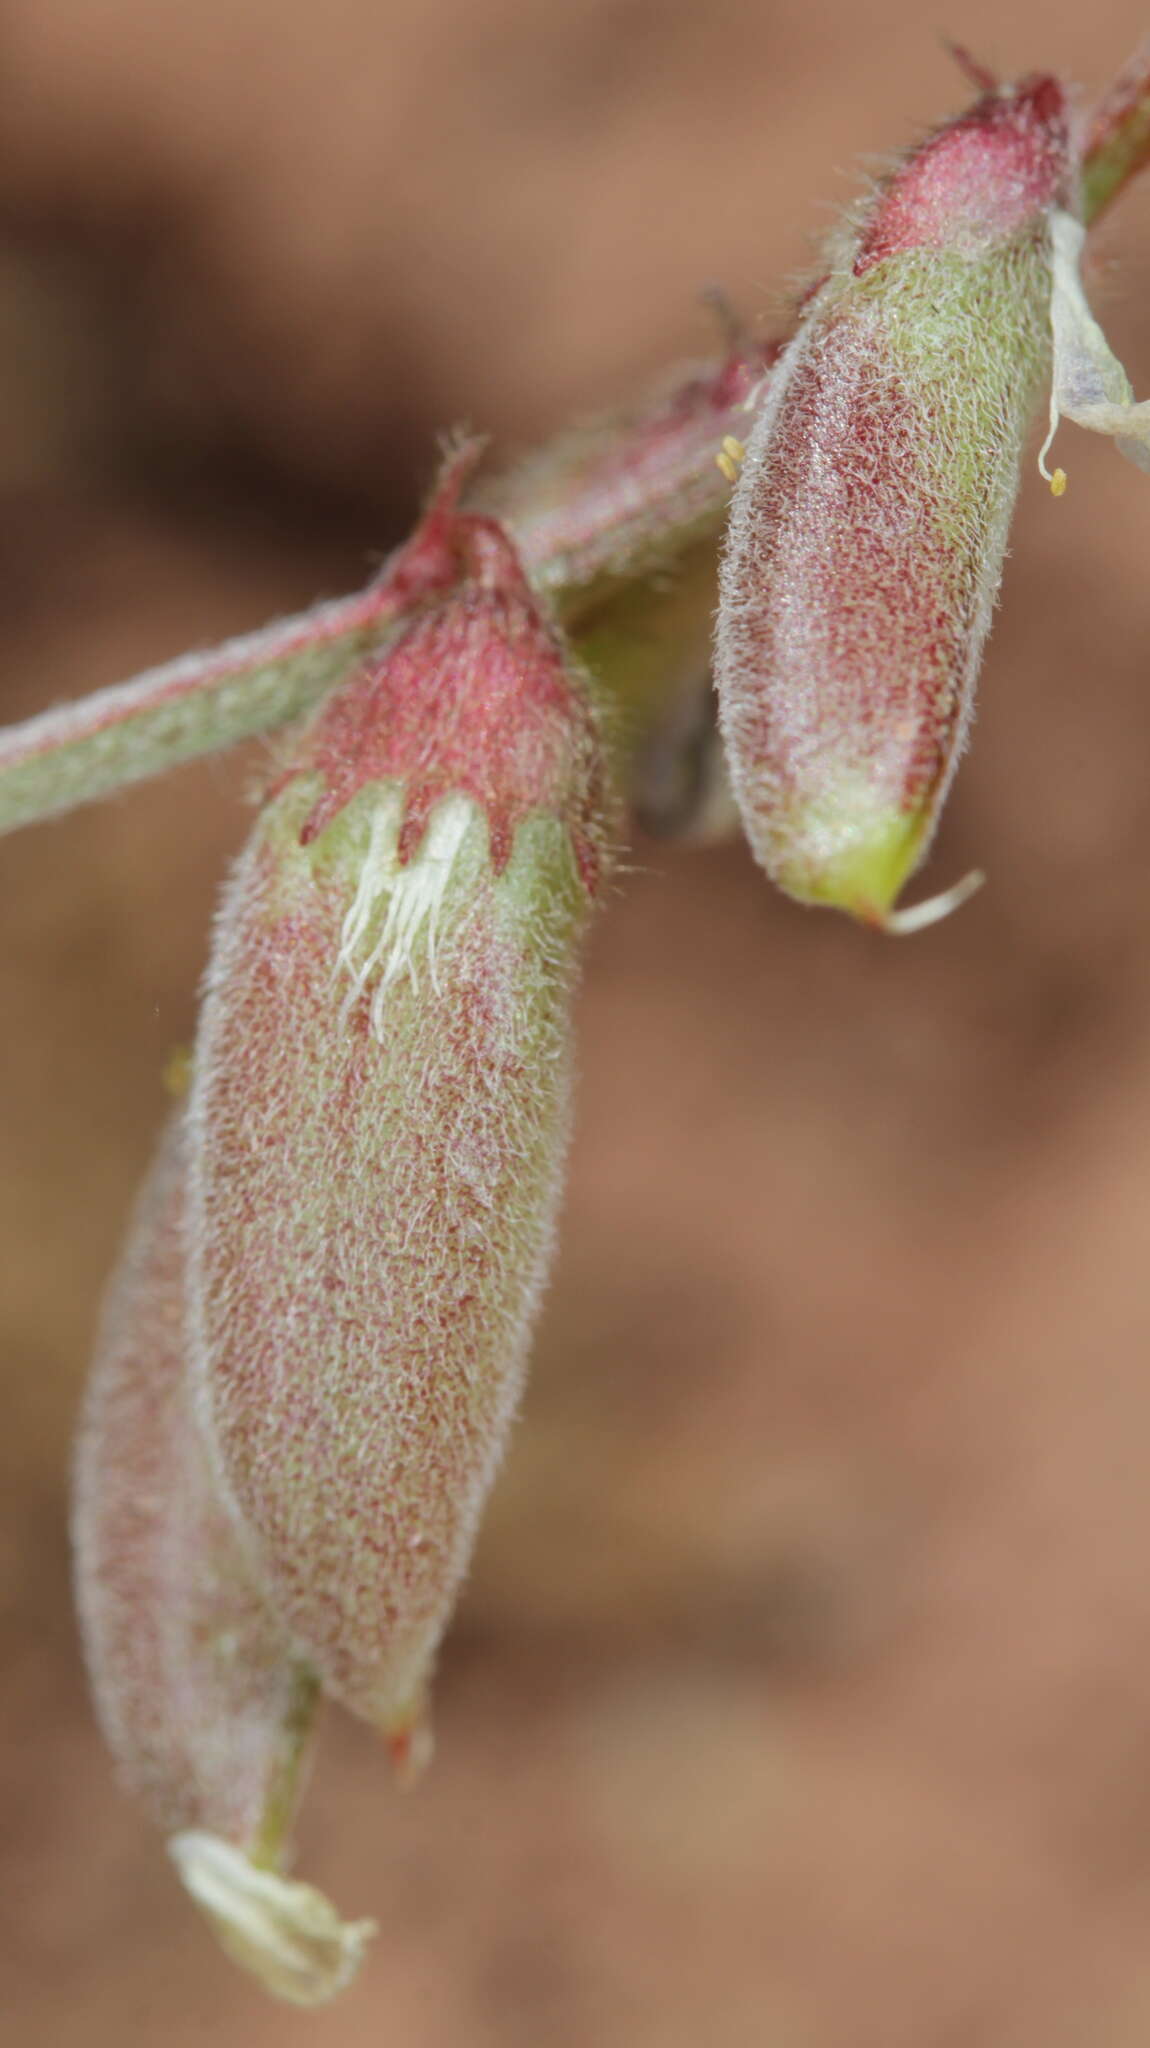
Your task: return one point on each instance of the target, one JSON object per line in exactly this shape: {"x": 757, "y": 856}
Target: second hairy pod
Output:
{"x": 869, "y": 526}
{"x": 380, "y": 1118}
{"x": 201, "y": 1693}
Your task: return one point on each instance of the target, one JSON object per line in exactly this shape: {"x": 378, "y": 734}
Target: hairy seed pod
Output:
{"x": 869, "y": 526}
{"x": 202, "y": 1698}
{"x": 380, "y": 1113}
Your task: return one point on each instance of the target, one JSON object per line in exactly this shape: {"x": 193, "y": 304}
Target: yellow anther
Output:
{"x": 729, "y": 457}
{"x": 1058, "y": 483}
{"x": 177, "y": 1073}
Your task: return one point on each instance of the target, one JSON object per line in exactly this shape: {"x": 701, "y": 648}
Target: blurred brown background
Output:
{"x": 801, "y": 1694}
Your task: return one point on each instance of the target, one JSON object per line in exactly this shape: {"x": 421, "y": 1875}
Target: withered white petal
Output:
{"x": 1089, "y": 385}
{"x": 287, "y": 1934}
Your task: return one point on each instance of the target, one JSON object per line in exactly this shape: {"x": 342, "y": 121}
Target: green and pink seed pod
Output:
{"x": 869, "y": 525}
{"x": 204, "y": 1702}
{"x": 380, "y": 1115}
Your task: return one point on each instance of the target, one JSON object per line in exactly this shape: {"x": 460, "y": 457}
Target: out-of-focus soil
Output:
{"x": 801, "y": 1691}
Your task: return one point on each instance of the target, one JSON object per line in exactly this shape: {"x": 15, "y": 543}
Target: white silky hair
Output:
{"x": 414, "y": 895}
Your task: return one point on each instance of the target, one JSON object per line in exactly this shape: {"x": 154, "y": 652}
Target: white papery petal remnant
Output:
{"x": 1089, "y": 384}
{"x": 287, "y": 1934}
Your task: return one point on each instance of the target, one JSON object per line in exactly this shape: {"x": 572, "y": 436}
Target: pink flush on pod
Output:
{"x": 202, "y": 1697}
{"x": 380, "y": 1116}
{"x": 869, "y": 525}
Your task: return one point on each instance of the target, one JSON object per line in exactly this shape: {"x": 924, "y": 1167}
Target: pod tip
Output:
{"x": 920, "y": 916}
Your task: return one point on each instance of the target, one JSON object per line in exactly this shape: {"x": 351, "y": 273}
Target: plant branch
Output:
{"x": 199, "y": 704}
{"x": 1118, "y": 139}
{"x": 611, "y": 514}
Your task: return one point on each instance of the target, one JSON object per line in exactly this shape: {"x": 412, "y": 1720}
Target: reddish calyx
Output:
{"x": 475, "y": 698}
{"x": 980, "y": 180}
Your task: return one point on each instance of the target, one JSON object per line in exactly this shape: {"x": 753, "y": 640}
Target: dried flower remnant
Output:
{"x": 869, "y": 526}
{"x": 380, "y": 1113}
{"x": 202, "y": 1698}
{"x": 1089, "y": 385}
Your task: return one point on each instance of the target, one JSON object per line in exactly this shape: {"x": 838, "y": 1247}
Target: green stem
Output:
{"x": 1118, "y": 141}
{"x": 267, "y": 1851}
{"x": 199, "y": 704}
{"x": 609, "y": 519}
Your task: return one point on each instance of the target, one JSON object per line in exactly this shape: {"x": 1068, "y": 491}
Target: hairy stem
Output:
{"x": 199, "y": 704}
{"x": 1118, "y": 139}
{"x": 267, "y": 1852}
{"x": 616, "y": 511}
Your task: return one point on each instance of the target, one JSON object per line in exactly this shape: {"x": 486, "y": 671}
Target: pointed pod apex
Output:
{"x": 411, "y": 1750}
{"x": 288, "y": 1935}
{"x": 850, "y": 851}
